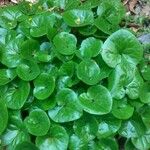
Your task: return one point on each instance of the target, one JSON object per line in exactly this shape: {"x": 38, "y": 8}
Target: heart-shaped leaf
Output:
{"x": 16, "y": 94}
{"x": 97, "y": 100}
{"x": 67, "y": 106}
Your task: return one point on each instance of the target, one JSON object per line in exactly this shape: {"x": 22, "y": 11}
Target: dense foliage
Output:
{"x": 70, "y": 78}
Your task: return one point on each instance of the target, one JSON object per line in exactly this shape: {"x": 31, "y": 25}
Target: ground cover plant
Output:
{"x": 71, "y": 78}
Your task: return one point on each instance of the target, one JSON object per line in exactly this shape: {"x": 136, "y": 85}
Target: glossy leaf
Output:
{"x": 121, "y": 45}
{"x": 6, "y": 76}
{"x": 3, "y": 116}
{"x": 26, "y": 146}
{"x": 121, "y": 109}
{"x": 16, "y": 94}
{"x": 37, "y": 123}
{"x": 67, "y": 106}
{"x": 44, "y": 86}
{"x": 28, "y": 70}
{"x": 67, "y": 43}
{"x": 89, "y": 72}
{"x": 145, "y": 93}
{"x": 108, "y": 126}
{"x": 56, "y": 139}
{"x": 78, "y": 18}
{"x": 89, "y": 48}
{"x": 97, "y": 100}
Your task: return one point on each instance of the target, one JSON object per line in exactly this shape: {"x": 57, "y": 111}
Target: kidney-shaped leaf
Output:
{"x": 28, "y": 70}
{"x": 37, "y": 123}
{"x": 67, "y": 108}
{"x": 56, "y": 139}
{"x": 44, "y": 85}
{"x": 97, "y": 100}
{"x": 16, "y": 94}
{"x": 88, "y": 71}
{"x": 90, "y": 47}
{"x": 121, "y": 44}
{"x": 6, "y": 76}
{"x": 65, "y": 43}
{"x": 78, "y": 18}
{"x": 3, "y": 116}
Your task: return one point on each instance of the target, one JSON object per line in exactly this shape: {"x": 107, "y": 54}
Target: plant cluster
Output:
{"x": 70, "y": 78}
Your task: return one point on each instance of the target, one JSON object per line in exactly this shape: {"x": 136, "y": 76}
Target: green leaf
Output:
{"x": 129, "y": 145}
{"x": 89, "y": 48}
{"x": 142, "y": 142}
{"x": 26, "y": 146}
{"x": 29, "y": 48}
{"x": 6, "y": 76}
{"x": 86, "y": 126}
{"x": 3, "y": 116}
{"x": 78, "y": 143}
{"x": 97, "y": 100}
{"x": 37, "y": 123}
{"x": 121, "y": 45}
{"x": 44, "y": 86}
{"x": 110, "y": 14}
{"x": 108, "y": 126}
{"x": 133, "y": 89}
{"x": 16, "y": 94}
{"x": 38, "y": 27}
{"x": 88, "y": 71}
{"x": 11, "y": 53}
{"x": 78, "y": 18}
{"x": 109, "y": 144}
{"x": 145, "y": 70}
{"x": 56, "y": 139}
{"x": 67, "y": 43}
{"x": 133, "y": 127}
{"x": 67, "y": 108}
{"x": 145, "y": 92}
{"x": 28, "y": 70}
{"x": 120, "y": 78}
{"x": 121, "y": 109}
{"x": 145, "y": 115}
